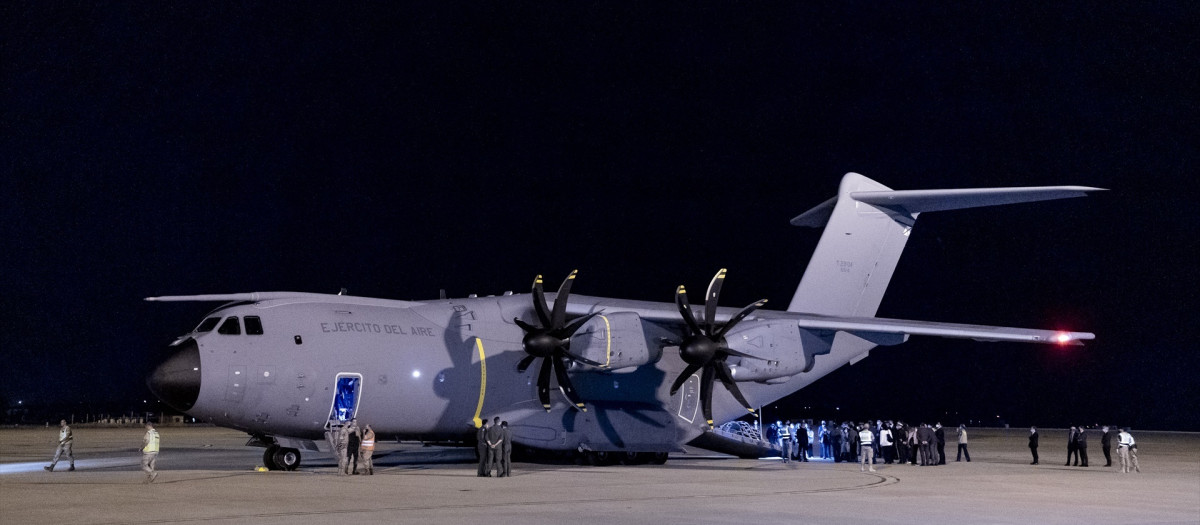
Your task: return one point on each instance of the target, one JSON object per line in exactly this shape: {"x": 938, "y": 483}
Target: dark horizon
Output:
{"x": 399, "y": 150}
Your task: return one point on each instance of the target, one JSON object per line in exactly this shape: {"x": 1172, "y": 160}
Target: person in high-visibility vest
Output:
{"x": 866, "y": 454}
{"x": 366, "y": 449}
{"x": 150, "y": 452}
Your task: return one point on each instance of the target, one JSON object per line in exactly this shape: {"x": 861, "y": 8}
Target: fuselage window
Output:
{"x": 208, "y": 324}
{"x": 230, "y": 327}
{"x": 253, "y": 325}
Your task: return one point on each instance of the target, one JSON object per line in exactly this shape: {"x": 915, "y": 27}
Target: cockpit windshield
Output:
{"x": 207, "y": 325}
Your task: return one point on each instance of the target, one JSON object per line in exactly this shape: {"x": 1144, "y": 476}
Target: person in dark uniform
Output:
{"x": 494, "y": 437}
{"x": 1081, "y": 446}
{"x": 505, "y": 450}
{"x": 802, "y": 441}
{"x": 481, "y": 448}
{"x": 1072, "y": 447}
{"x": 940, "y": 434}
{"x": 1033, "y": 444}
{"x": 1106, "y": 443}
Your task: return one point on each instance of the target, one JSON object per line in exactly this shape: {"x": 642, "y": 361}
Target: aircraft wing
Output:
{"x": 878, "y": 330}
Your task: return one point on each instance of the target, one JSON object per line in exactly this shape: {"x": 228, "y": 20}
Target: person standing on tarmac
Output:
{"x": 785, "y": 441}
{"x": 150, "y": 452}
{"x": 1033, "y": 444}
{"x": 505, "y": 450}
{"x": 494, "y": 437}
{"x": 1106, "y": 444}
{"x": 65, "y": 438}
{"x": 962, "y": 443}
{"x": 366, "y": 450}
{"x": 866, "y": 455}
{"x": 1081, "y": 446}
{"x": 353, "y": 441}
{"x": 481, "y": 449}
{"x": 342, "y": 433}
{"x": 940, "y": 434}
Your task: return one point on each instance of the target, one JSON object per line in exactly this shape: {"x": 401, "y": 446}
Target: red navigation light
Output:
{"x": 1062, "y": 338}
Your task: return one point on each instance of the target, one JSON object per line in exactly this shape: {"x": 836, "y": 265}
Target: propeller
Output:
{"x": 704, "y": 347}
{"x": 551, "y": 342}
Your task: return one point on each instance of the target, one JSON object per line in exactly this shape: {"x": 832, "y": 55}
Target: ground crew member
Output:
{"x": 65, "y": 438}
{"x": 481, "y": 449}
{"x": 1124, "y": 444}
{"x": 494, "y": 437}
{"x": 150, "y": 452}
{"x": 342, "y": 438}
{"x": 505, "y": 450}
{"x": 366, "y": 450}
{"x": 785, "y": 441}
{"x": 353, "y": 441}
{"x": 866, "y": 452}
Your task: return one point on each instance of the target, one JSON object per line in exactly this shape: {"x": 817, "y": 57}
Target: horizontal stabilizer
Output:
{"x": 917, "y": 201}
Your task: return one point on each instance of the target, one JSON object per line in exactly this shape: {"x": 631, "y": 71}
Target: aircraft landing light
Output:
{"x": 1063, "y": 338}
{"x": 416, "y": 374}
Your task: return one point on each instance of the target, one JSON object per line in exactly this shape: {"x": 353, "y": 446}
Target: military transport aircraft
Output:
{"x": 634, "y": 378}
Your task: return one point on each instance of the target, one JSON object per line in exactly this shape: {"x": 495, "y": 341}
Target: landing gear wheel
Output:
{"x": 658, "y": 458}
{"x": 631, "y": 458}
{"x": 287, "y": 458}
{"x": 600, "y": 457}
{"x": 269, "y": 458}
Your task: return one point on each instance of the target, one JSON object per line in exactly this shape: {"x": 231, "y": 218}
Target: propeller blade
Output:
{"x": 544, "y": 384}
{"x": 524, "y": 364}
{"x": 539, "y": 303}
{"x": 564, "y": 383}
{"x": 683, "y": 377}
{"x": 575, "y": 325}
{"x": 685, "y": 309}
{"x": 740, "y": 315}
{"x": 524, "y": 326}
{"x": 560, "y": 301}
{"x": 710, "y": 301}
{"x": 706, "y": 388}
{"x": 727, "y": 379}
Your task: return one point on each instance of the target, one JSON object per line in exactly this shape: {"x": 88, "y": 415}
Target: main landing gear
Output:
{"x": 281, "y": 458}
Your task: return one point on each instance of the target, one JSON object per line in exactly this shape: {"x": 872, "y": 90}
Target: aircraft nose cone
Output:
{"x": 177, "y": 380}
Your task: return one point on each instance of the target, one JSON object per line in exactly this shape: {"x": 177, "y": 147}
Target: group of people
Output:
{"x": 893, "y": 442}
{"x": 149, "y": 448}
{"x": 1077, "y": 445}
{"x": 354, "y": 447}
{"x": 494, "y": 447}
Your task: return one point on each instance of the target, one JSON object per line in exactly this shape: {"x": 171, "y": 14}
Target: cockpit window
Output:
{"x": 253, "y": 325}
{"x": 230, "y": 327}
{"x": 208, "y": 324}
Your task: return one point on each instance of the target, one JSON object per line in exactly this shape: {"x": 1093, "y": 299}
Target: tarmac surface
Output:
{"x": 207, "y": 475}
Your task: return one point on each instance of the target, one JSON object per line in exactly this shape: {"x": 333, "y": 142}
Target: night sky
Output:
{"x": 196, "y": 147}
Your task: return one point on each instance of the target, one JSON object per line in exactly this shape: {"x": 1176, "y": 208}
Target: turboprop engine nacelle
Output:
{"x": 776, "y": 345}
{"x": 614, "y": 340}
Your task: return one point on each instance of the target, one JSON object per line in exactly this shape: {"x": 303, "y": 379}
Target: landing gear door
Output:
{"x": 345, "y": 398}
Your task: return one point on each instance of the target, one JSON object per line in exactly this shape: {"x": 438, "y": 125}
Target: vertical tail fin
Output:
{"x": 866, "y": 228}
{"x": 856, "y": 256}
